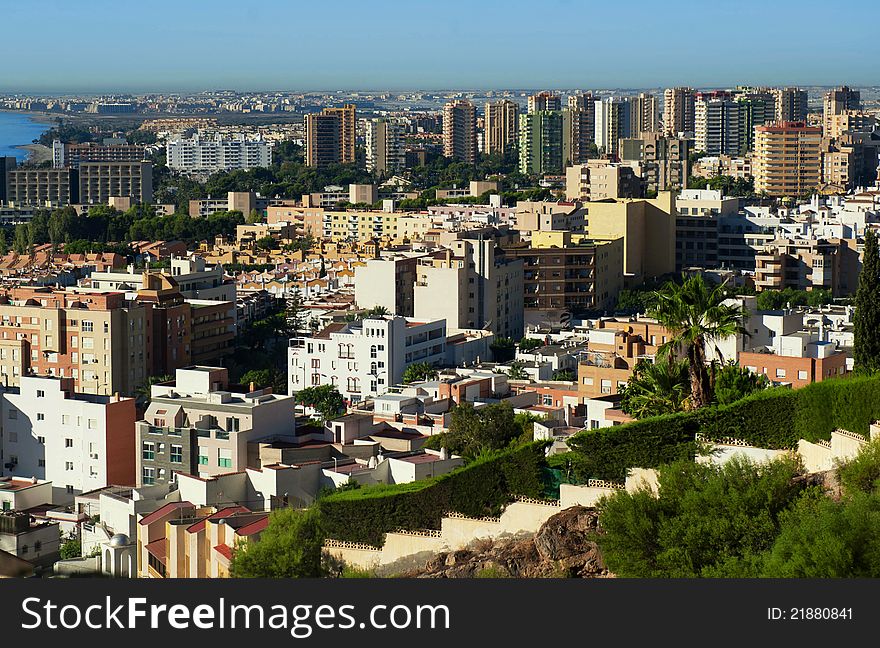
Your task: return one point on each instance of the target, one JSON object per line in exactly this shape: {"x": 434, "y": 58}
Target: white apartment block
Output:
{"x": 199, "y": 155}
{"x": 79, "y": 442}
{"x": 385, "y": 150}
{"x": 366, "y": 357}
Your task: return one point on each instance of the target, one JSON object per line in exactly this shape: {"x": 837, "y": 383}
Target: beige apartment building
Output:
{"x": 501, "y": 124}
{"x": 839, "y": 101}
{"x": 809, "y": 264}
{"x": 543, "y": 101}
{"x": 331, "y": 136}
{"x": 647, "y": 227}
{"x": 39, "y": 187}
{"x": 98, "y": 339}
{"x": 678, "y": 110}
{"x": 602, "y": 180}
{"x": 460, "y": 131}
{"x": 850, "y": 120}
{"x": 100, "y": 181}
{"x": 787, "y": 160}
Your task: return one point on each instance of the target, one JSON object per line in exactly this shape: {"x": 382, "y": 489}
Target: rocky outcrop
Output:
{"x": 562, "y": 548}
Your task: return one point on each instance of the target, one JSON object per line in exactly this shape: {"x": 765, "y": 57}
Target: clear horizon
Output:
{"x": 100, "y": 46}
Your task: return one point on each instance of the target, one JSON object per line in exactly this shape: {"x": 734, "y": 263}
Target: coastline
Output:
{"x": 37, "y": 116}
{"x": 36, "y": 153}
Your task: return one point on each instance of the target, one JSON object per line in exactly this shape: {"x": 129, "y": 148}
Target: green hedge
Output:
{"x": 775, "y": 418}
{"x": 481, "y": 488}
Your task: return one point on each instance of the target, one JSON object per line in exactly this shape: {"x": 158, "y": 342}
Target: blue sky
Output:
{"x": 102, "y": 45}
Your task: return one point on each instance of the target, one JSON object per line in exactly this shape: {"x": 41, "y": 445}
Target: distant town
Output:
{"x": 232, "y": 322}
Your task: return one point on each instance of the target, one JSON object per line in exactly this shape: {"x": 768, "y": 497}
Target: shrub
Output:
{"x": 862, "y": 472}
{"x": 290, "y": 547}
{"x": 481, "y": 488}
{"x": 774, "y": 418}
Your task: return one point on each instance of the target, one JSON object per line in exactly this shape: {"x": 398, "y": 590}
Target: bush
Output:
{"x": 775, "y": 418}
{"x": 861, "y": 474}
{"x": 708, "y": 521}
{"x": 481, "y": 488}
{"x": 290, "y": 547}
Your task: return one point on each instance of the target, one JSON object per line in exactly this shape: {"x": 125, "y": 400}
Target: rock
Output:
{"x": 562, "y": 547}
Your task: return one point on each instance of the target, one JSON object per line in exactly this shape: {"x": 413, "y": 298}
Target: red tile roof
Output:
{"x": 253, "y": 527}
{"x": 224, "y": 550}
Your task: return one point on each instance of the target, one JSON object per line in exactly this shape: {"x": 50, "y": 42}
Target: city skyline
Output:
{"x": 275, "y": 45}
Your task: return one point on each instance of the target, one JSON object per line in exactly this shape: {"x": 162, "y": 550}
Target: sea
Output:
{"x": 17, "y": 129}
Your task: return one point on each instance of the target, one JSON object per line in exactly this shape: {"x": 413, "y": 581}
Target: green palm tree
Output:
{"x": 656, "y": 388}
{"x": 517, "y": 371}
{"x": 694, "y": 314}
{"x": 419, "y": 371}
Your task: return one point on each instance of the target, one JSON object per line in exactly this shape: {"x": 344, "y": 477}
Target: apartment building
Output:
{"x": 809, "y": 264}
{"x": 540, "y": 143}
{"x": 39, "y": 187}
{"x": 716, "y": 123}
{"x": 787, "y": 159}
{"x": 200, "y": 424}
{"x": 331, "y": 136}
{"x": 647, "y": 227}
{"x": 79, "y": 442}
{"x": 697, "y": 225}
{"x": 790, "y": 104}
{"x": 366, "y": 357}
{"x": 614, "y": 348}
{"x": 210, "y": 155}
{"x": 678, "y": 110}
{"x": 501, "y": 127}
{"x": 544, "y": 101}
{"x": 644, "y": 114}
{"x": 388, "y": 281}
{"x": 850, "y": 121}
{"x": 385, "y": 146}
{"x": 796, "y": 359}
{"x": 601, "y": 180}
{"x": 578, "y": 129}
{"x": 755, "y": 106}
{"x": 663, "y": 161}
{"x": 71, "y": 155}
{"x": 194, "y": 278}
{"x": 613, "y": 123}
{"x": 460, "y": 131}
{"x": 361, "y": 226}
{"x": 839, "y": 101}
{"x": 471, "y": 285}
{"x": 567, "y": 271}
{"x": 101, "y": 181}
{"x": 98, "y": 339}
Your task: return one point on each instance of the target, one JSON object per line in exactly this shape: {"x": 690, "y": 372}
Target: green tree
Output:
{"x": 866, "y": 320}
{"x": 71, "y": 548}
{"x": 144, "y": 390}
{"x": 529, "y": 344}
{"x": 517, "y": 371}
{"x": 375, "y": 311}
{"x": 255, "y": 217}
{"x": 473, "y": 431}
{"x": 294, "y": 313}
{"x": 694, "y": 314}
{"x": 733, "y": 383}
{"x": 861, "y": 474}
{"x": 324, "y": 399}
{"x": 503, "y": 349}
{"x": 821, "y": 538}
{"x": 708, "y": 520}
{"x": 4, "y": 247}
{"x": 290, "y": 547}
{"x": 567, "y": 375}
{"x": 270, "y": 377}
{"x": 419, "y": 371}
{"x": 656, "y": 388}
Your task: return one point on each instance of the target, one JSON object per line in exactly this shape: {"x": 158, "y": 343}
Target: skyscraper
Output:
{"x": 330, "y": 136}
{"x": 791, "y": 104}
{"x": 756, "y": 106}
{"x": 613, "y": 122}
{"x": 678, "y": 110}
{"x": 838, "y": 101}
{"x": 540, "y": 142}
{"x": 787, "y": 159}
{"x": 716, "y": 123}
{"x": 644, "y": 114}
{"x": 385, "y": 152}
{"x": 460, "y": 131}
{"x": 578, "y": 129}
{"x": 544, "y": 101}
{"x": 501, "y": 126}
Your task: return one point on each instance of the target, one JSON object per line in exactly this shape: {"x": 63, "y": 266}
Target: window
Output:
{"x": 606, "y": 386}
{"x": 203, "y": 460}
{"x": 149, "y": 474}
{"x": 41, "y": 463}
{"x": 13, "y": 437}
{"x": 232, "y": 424}
{"x": 88, "y": 326}
{"x": 176, "y": 453}
{"x": 41, "y": 440}
{"x": 68, "y": 443}
{"x": 68, "y": 465}
{"x": 588, "y": 380}
{"x": 41, "y": 393}
{"x": 149, "y": 451}
{"x": 224, "y": 458}
{"x": 41, "y": 416}
{"x": 780, "y": 373}
{"x": 69, "y": 488}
